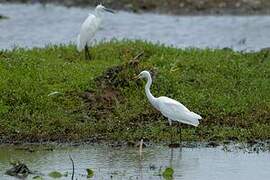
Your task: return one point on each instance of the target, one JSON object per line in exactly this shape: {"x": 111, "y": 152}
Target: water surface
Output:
{"x": 37, "y": 25}
{"x": 125, "y": 162}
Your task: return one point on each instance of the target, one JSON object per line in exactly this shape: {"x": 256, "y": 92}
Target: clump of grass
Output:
{"x": 229, "y": 89}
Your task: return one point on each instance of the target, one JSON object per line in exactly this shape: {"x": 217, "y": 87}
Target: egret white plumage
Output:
{"x": 170, "y": 108}
{"x": 89, "y": 28}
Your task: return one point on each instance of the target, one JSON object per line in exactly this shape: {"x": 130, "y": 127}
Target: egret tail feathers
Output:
{"x": 190, "y": 118}
{"x": 197, "y": 116}
{"x": 194, "y": 122}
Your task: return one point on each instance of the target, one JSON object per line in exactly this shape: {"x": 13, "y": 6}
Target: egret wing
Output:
{"x": 176, "y": 111}
{"x": 171, "y": 102}
{"x": 88, "y": 31}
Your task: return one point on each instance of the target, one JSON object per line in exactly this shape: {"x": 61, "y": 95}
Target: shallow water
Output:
{"x": 125, "y": 162}
{"x": 37, "y": 25}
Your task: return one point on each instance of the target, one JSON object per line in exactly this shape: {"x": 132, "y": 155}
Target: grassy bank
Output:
{"x": 99, "y": 99}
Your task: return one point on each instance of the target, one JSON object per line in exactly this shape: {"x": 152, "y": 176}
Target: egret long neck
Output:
{"x": 98, "y": 13}
{"x": 149, "y": 95}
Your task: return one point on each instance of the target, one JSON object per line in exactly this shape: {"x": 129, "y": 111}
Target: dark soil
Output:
{"x": 19, "y": 169}
{"x": 102, "y": 101}
{"x": 180, "y": 7}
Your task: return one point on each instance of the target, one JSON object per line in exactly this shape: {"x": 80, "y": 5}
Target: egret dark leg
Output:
{"x": 179, "y": 130}
{"x": 171, "y": 137}
{"x": 87, "y": 54}
{"x": 170, "y": 123}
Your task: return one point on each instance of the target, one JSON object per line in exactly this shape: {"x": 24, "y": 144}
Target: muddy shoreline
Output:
{"x": 227, "y": 146}
{"x": 178, "y": 7}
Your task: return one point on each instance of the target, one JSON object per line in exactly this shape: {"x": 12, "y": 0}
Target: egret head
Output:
{"x": 144, "y": 74}
{"x": 101, "y": 8}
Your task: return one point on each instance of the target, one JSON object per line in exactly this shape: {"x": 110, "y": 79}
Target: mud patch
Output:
{"x": 100, "y": 103}
{"x": 103, "y": 100}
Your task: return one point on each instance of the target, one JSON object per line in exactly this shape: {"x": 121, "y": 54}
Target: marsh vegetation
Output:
{"x": 98, "y": 99}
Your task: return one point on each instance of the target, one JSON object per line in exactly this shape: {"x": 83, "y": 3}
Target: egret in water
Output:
{"x": 170, "y": 108}
{"x": 89, "y": 28}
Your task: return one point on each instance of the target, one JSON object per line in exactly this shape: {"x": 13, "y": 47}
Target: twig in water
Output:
{"x": 141, "y": 146}
{"x": 72, "y": 177}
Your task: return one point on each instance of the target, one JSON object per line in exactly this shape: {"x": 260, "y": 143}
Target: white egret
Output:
{"x": 170, "y": 108}
{"x": 89, "y": 28}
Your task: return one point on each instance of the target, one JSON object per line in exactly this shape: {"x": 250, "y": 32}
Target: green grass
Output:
{"x": 231, "y": 90}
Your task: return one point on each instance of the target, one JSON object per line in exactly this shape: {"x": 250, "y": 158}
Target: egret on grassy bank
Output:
{"x": 170, "y": 108}
{"x": 89, "y": 28}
